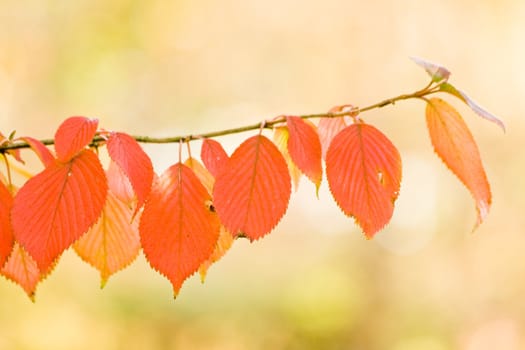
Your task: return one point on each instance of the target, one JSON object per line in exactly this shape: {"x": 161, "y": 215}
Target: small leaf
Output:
{"x": 127, "y": 153}
{"x": 224, "y": 244}
{"x": 119, "y": 185}
{"x": 280, "y": 138}
{"x": 327, "y": 129}
{"x": 113, "y": 242}
{"x": 437, "y": 72}
{"x": 449, "y": 88}
{"x": 363, "y": 169}
{"x": 73, "y": 135}
{"x": 23, "y": 270}
{"x": 6, "y": 231}
{"x": 455, "y": 145}
{"x": 305, "y": 148}
{"x": 213, "y": 156}
{"x": 58, "y": 205}
{"x": 178, "y": 232}
{"x": 204, "y": 176}
{"x": 251, "y": 194}
{"x": 43, "y": 153}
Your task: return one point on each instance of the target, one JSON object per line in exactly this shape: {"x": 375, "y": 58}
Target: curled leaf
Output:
{"x": 437, "y": 72}
{"x": 455, "y": 145}
{"x": 280, "y": 137}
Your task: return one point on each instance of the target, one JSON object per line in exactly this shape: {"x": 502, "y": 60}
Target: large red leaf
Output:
{"x": 55, "y": 207}
{"x": 178, "y": 231}
{"x": 127, "y": 153}
{"x": 455, "y": 145}
{"x": 6, "y": 231}
{"x": 251, "y": 194}
{"x": 23, "y": 270}
{"x": 327, "y": 129}
{"x": 113, "y": 242}
{"x": 364, "y": 173}
{"x": 73, "y": 135}
{"x": 213, "y": 156}
{"x": 305, "y": 148}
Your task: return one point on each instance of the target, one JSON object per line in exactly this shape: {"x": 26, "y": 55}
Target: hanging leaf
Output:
{"x": 202, "y": 173}
{"x": 73, "y": 135}
{"x": 280, "y": 138}
{"x": 213, "y": 156}
{"x": 305, "y": 148}
{"x": 455, "y": 145}
{"x": 437, "y": 72}
{"x": 43, "y": 153}
{"x": 363, "y": 169}
{"x": 178, "y": 232}
{"x": 113, "y": 242}
{"x": 119, "y": 185}
{"x": 134, "y": 162}
{"x": 23, "y": 270}
{"x": 6, "y": 231}
{"x": 482, "y": 112}
{"x": 58, "y": 205}
{"x": 327, "y": 129}
{"x": 224, "y": 244}
{"x": 251, "y": 194}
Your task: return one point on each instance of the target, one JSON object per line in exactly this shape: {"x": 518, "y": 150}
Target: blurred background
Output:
{"x": 164, "y": 68}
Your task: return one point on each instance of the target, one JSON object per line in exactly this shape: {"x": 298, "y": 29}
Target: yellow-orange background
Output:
{"x": 165, "y": 68}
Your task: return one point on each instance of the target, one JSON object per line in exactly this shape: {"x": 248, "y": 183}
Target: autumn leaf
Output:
{"x": 134, "y": 162}
{"x": 327, "y": 129}
{"x": 280, "y": 137}
{"x": 363, "y": 169}
{"x": 305, "y": 148}
{"x": 204, "y": 176}
{"x": 43, "y": 153}
{"x": 455, "y": 145}
{"x": 178, "y": 232}
{"x": 73, "y": 135}
{"x": 119, "y": 185}
{"x": 6, "y": 231}
{"x": 58, "y": 205}
{"x": 23, "y": 270}
{"x": 224, "y": 244}
{"x": 251, "y": 194}
{"x": 213, "y": 156}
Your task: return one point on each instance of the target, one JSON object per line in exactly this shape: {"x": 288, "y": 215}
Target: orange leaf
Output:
{"x": 119, "y": 184}
{"x": 131, "y": 158}
{"x": 305, "y": 148}
{"x": 55, "y": 207}
{"x": 364, "y": 173}
{"x": 251, "y": 194}
{"x": 23, "y": 270}
{"x": 224, "y": 244}
{"x": 455, "y": 145}
{"x": 43, "y": 153}
{"x": 213, "y": 156}
{"x": 178, "y": 232}
{"x": 73, "y": 135}
{"x": 280, "y": 137}
{"x": 113, "y": 242}
{"x": 327, "y": 129}
{"x": 6, "y": 231}
{"x": 201, "y": 172}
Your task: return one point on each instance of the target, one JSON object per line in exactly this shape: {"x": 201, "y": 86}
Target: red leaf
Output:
{"x": 113, "y": 242}
{"x": 213, "y": 156}
{"x": 23, "y": 270}
{"x": 55, "y": 207}
{"x": 327, "y": 129}
{"x": 178, "y": 232}
{"x": 45, "y": 155}
{"x": 73, "y": 135}
{"x": 364, "y": 173}
{"x": 455, "y": 145}
{"x": 135, "y": 163}
{"x": 119, "y": 184}
{"x": 251, "y": 194}
{"x": 6, "y": 231}
{"x": 305, "y": 148}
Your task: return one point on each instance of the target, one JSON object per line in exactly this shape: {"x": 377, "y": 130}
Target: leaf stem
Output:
{"x": 431, "y": 88}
